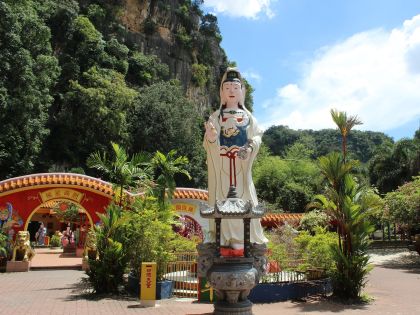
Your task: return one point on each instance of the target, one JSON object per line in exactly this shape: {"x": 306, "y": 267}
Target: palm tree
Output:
{"x": 107, "y": 271}
{"x": 166, "y": 167}
{"x": 344, "y": 124}
{"x": 342, "y": 201}
{"x": 123, "y": 171}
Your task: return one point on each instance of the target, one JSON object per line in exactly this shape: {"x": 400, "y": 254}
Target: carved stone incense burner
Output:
{"x": 232, "y": 278}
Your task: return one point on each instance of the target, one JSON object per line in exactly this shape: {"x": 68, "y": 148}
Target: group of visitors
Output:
{"x": 68, "y": 236}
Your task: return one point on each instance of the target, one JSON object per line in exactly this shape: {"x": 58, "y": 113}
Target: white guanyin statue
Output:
{"x": 232, "y": 140}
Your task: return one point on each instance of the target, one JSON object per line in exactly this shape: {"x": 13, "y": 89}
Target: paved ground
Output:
{"x": 50, "y": 258}
{"x": 394, "y": 285}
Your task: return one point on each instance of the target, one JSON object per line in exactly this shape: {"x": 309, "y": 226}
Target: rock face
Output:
{"x": 155, "y": 28}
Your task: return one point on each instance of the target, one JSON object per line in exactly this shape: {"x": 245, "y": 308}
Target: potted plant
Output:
{"x": 55, "y": 241}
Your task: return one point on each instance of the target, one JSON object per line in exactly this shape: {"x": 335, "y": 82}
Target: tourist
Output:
{"x": 40, "y": 235}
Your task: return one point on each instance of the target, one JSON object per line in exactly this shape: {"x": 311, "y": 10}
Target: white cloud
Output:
{"x": 241, "y": 8}
{"x": 252, "y": 75}
{"x": 374, "y": 75}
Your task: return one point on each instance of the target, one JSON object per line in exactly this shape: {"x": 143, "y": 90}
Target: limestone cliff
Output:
{"x": 171, "y": 30}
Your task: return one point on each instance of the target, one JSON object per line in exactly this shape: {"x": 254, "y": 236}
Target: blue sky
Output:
{"x": 304, "y": 57}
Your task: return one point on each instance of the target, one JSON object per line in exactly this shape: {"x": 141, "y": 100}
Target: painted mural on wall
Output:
{"x": 9, "y": 217}
{"x": 10, "y": 220}
{"x": 192, "y": 225}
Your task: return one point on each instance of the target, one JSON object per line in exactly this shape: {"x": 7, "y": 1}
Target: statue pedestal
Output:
{"x": 233, "y": 279}
{"x": 18, "y": 266}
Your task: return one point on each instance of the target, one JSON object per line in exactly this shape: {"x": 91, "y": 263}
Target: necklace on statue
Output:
{"x": 232, "y": 112}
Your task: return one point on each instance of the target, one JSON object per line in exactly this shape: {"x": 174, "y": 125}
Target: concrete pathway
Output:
{"x": 47, "y": 258}
{"x": 394, "y": 285}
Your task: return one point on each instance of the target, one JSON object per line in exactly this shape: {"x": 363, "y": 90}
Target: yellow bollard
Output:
{"x": 148, "y": 284}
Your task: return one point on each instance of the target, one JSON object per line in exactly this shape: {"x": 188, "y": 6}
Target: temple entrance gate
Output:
{"x": 35, "y": 196}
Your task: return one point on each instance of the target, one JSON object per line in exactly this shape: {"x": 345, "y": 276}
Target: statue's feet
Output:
{"x": 237, "y": 245}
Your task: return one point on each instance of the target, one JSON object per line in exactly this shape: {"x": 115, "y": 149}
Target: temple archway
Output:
{"x": 21, "y": 198}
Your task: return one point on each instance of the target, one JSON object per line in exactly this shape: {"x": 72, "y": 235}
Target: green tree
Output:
{"x": 28, "y": 73}
{"x": 124, "y": 171}
{"x": 341, "y": 201}
{"x": 164, "y": 120}
{"x": 249, "y": 98}
{"x": 287, "y": 184}
{"x": 210, "y": 27}
{"x": 166, "y": 167}
{"x": 361, "y": 145}
{"x": 93, "y": 113}
{"x": 395, "y": 164}
{"x": 146, "y": 69}
{"x": 404, "y": 204}
{"x": 106, "y": 273}
{"x": 344, "y": 124}
{"x": 85, "y": 43}
{"x": 116, "y": 56}
{"x": 149, "y": 234}
{"x": 278, "y": 138}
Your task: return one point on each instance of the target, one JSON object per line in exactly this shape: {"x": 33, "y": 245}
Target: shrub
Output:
{"x": 3, "y": 244}
{"x": 106, "y": 273}
{"x": 149, "y": 234}
{"x": 404, "y": 203}
{"x": 313, "y": 219}
{"x": 199, "y": 74}
{"x": 55, "y": 241}
{"x": 282, "y": 246}
{"x": 316, "y": 250}
{"x": 183, "y": 38}
{"x": 146, "y": 69}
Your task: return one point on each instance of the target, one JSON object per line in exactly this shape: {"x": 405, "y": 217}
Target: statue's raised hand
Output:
{"x": 211, "y": 131}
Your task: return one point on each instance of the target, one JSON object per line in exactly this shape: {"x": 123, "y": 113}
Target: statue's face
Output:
{"x": 231, "y": 93}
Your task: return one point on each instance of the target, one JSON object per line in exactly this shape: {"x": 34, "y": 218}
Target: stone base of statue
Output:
{"x": 239, "y": 308}
{"x": 232, "y": 279}
{"x": 18, "y": 266}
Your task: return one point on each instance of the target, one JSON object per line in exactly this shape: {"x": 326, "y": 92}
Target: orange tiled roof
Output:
{"x": 45, "y": 179}
{"x": 191, "y": 193}
{"x": 79, "y": 180}
{"x": 277, "y": 219}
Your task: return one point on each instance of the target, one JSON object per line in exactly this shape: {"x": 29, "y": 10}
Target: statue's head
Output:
{"x": 232, "y": 89}
{"x": 22, "y": 236}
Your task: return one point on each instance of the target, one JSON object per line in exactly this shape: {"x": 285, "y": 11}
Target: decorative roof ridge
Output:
{"x": 179, "y": 193}
{"x": 52, "y": 175}
{"x": 87, "y": 181}
{"x": 285, "y": 213}
{"x": 192, "y": 189}
{"x": 41, "y": 179}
